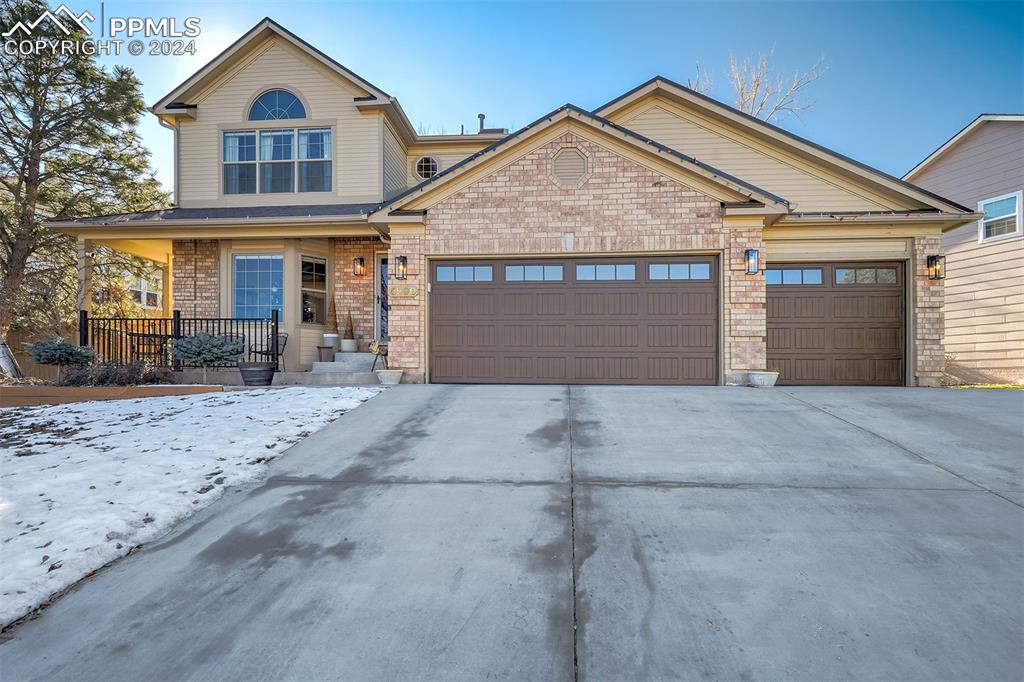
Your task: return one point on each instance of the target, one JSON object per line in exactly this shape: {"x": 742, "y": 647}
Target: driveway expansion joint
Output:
{"x": 904, "y": 448}
{"x": 572, "y": 535}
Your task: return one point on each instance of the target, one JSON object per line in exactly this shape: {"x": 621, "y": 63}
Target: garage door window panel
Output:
{"x": 866, "y": 276}
{"x": 463, "y": 273}
{"x": 793, "y": 276}
{"x": 606, "y": 272}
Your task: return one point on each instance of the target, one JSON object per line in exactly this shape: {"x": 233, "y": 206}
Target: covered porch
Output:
{"x": 314, "y": 276}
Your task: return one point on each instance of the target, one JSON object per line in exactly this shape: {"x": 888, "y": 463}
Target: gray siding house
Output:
{"x": 983, "y": 166}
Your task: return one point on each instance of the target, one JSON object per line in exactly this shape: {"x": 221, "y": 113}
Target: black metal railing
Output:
{"x": 150, "y": 340}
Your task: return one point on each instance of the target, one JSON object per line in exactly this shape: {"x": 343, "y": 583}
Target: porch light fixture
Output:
{"x": 359, "y": 266}
{"x": 936, "y": 267}
{"x": 401, "y": 267}
{"x": 753, "y": 258}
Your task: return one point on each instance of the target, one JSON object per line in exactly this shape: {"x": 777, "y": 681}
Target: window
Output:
{"x": 314, "y": 290}
{"x": 662, "y": 271}
{"x": 464, "y": 273}
{"x": 426, "y": 167}
{"x": 533, "y": 273}
{"x": 147, "y": 291}
{"x": 605, "y": 272}
{"x": 278, "y": 154}
{"x": 258, "y": 285}
{"x": 793, "y": 276}
{"x": 315, "y": 160}
{"x": 1002, "y": 217}
{"x": 274, "y": 105}
{"x": 866, "y": 276}
{"x": 240, "y": 163}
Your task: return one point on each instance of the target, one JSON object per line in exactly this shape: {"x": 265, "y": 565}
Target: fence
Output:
{"x": 150, "y": 340}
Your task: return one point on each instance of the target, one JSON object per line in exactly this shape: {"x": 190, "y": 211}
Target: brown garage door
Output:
{"x": 836, "y": 323}
{"x": 586, "y": 321}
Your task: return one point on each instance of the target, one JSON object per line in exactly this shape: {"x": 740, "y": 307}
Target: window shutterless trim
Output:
{"x": 1019, "y": 196}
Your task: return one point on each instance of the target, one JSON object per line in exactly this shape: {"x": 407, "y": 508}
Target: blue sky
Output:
{"x": 901, "y": 78}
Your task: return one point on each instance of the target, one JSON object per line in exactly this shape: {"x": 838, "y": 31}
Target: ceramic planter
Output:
{"x": 349, "y": 346}
{"x": 257, "y": 373}
{"x": 389, "y": 377}
{"x": 762, "y": 379}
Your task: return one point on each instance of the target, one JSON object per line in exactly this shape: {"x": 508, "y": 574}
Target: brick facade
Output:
{"x": 621, "y": 207}
{"x": 928, "y": 315}
{"x": 196, "y": 278}
{"x": 354, "y": 293}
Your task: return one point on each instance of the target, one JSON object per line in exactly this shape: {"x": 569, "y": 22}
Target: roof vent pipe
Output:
{"x": 481, "y": 117}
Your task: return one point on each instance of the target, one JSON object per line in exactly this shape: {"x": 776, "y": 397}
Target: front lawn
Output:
{"x": 84, "y": 483}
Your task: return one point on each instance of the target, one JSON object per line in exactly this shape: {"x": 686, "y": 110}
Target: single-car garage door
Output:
{"x": 575, "y": 320}
{"x": 836, "y": 323}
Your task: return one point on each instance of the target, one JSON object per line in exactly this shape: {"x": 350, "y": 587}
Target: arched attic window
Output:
{"x": 274, "y": 105}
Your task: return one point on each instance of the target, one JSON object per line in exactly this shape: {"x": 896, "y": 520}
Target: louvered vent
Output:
{"x": 569, "y": 166}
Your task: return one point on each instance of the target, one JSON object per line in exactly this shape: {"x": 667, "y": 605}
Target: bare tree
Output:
{"x": 701, "y": 81}
{"x": 766, "y": 95}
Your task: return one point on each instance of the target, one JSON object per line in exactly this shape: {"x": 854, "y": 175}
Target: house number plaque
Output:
{"x": 402, "y": 290}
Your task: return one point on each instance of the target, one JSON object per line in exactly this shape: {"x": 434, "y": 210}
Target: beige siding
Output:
{"x": 394, "y": 163}
{"x": 984, "y": 302}
{"x": 835, "y": 249}
{"x": 329, "y": 102}
{"x": 751, "y": 160}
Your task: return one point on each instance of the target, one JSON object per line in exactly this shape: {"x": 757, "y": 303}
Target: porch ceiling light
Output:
{"x": 359, "y": 266}
{"x": 753, "y": 258}
{"x": 936, "y": 267}
{"x": 401, "y": 267}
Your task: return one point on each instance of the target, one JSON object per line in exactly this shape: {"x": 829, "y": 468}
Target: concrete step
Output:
{"x": 347, "y": 362}
{"x": 323, "y": 378}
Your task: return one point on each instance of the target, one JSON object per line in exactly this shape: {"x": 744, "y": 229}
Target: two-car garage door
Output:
{"x": 574, "y": 320}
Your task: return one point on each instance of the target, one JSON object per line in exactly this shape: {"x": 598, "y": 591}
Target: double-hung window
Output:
{"x": 240, "y": 163}
{"x": 276, "y": 161}
{"x": 1002, "y": 217}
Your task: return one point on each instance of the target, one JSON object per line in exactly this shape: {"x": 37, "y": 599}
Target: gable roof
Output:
{"x": 666, "y": 86}
{"x": 734, "y": 185}
{"x": 956, "y": 139}
{"x": 266, "y": 27}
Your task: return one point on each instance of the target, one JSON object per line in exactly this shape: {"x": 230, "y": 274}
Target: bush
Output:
{"x": 112, "y": 374}
{"x": 61, "y": 353}
{"x": 204, "y": 350}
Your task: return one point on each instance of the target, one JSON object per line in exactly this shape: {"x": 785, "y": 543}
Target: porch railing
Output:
{"x": 150, "y": 340}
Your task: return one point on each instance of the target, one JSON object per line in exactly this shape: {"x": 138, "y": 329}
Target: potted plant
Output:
{"x": 348, "y": 336}
{"x": 62, "y": 354}
{"x": 762, "y": 378}
{"x": 207, "y": 350}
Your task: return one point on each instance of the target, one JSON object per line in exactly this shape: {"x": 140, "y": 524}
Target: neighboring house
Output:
{"x": 661, "y": 238}
{"x": 983, "y": 166}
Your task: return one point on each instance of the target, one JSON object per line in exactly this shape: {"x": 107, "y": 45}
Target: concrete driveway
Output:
{"x": 443, "y": 532}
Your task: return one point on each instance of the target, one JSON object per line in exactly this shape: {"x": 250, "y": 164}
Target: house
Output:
{"x": 983, "y": 166}
{"x": 662, "y": 238}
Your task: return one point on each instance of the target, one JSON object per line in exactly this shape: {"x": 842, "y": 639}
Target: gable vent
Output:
{"x": 569, "y": 167}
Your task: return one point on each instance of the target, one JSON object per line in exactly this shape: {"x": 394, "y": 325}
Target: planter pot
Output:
{"x": 326, "y": 353}
{"x": 349, "y": 346}
{"x": 257, "y": 373}
{"x": 389, "y": 377}
{"x": 331, "y": 339}
{"x": 759, "y": 379}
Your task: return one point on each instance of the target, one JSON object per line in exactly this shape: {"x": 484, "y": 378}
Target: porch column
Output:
{"x": 84, "y": 271}
{"x": 167, "y": 291}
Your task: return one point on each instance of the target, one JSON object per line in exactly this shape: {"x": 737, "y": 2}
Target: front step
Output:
{"x": 347, "y": 362}
{"x": 323, "y": 378}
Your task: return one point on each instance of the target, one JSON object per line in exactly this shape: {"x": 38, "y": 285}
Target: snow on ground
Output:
{"x": 82, "y": 484}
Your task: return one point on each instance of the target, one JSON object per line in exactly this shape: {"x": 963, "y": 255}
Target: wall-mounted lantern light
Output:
{"x": 401, "y": 267}
{"x": 753, "y": 257}
{"x": 359, "y": 266}
{"x": 936, "y": 267}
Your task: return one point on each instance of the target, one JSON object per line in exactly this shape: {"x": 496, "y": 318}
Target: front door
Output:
{"x": 381, "y": 300}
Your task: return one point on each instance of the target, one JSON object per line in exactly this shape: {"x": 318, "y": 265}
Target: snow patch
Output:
{"x": 83, "y": 483}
